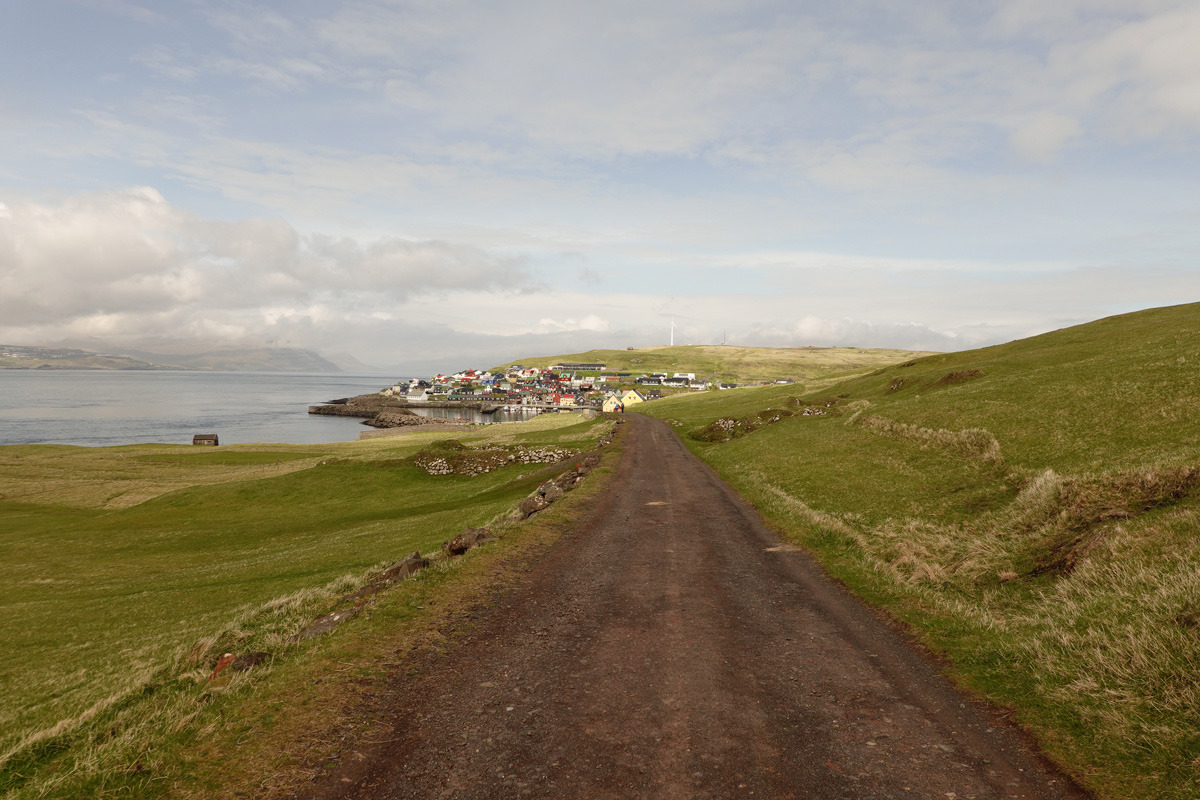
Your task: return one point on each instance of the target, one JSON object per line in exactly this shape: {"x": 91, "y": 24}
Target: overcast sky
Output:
{"x": 466, "y": 182}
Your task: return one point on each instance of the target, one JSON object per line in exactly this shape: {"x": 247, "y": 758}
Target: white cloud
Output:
{"x": 1041, "y": 138}
{"x": 816, "y": 331}
{"x": 124, "y": 8}
{"x": 589, "y": 322}
{"x": 1144, "y": 76}
{"x": 132, "y": 255}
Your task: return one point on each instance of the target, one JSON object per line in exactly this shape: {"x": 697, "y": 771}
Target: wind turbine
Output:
{"x": 672, "y": 333}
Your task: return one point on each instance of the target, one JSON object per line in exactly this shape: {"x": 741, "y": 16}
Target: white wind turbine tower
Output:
{"x": 672, "y": 333}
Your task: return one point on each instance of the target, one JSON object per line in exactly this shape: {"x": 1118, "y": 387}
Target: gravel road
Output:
{"x": 671, "y": 647}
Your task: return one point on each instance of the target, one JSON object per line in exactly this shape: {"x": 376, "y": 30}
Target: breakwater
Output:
{"x": 381, "y": 411}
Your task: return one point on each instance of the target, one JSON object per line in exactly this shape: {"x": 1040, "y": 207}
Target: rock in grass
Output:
{"x": 531, "y": 505}
{"x": 555, "y": 488}
{"x": 403, "y": 569}
{"x": 551, "y": 491}
{"x": 326, "y": 622}
{"x": 468, "y": 539}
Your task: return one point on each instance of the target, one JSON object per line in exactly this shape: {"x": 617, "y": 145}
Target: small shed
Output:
{"x": 206, "y": 438}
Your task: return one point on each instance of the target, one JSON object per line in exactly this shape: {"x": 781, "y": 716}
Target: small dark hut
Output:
{"x": 205, "y": 438}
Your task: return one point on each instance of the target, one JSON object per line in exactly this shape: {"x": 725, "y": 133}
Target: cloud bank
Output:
{"x": 127, "y": 265}
{"x": 130, "y": 268}
{"x": 404, "y": 179}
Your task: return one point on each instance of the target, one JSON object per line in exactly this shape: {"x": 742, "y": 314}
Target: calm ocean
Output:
{"x": 109, "y": 407}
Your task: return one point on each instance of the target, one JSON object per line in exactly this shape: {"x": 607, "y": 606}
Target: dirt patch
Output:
{"x": 248, "y": 661}
{"x": 1189, "y": 618}
{"x": 961, "y": 376}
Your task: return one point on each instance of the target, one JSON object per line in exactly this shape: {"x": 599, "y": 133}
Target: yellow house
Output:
{"x": 631, "y": 397}
{"x": 612, "y": 402}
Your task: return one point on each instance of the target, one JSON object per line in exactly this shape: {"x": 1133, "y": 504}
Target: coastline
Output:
{"x": 426, "y": 428}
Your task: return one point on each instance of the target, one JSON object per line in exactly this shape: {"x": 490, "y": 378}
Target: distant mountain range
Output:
{"x": 230, "y": 359}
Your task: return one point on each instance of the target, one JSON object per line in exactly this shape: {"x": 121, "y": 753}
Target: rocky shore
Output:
{"x": 363, "y": 405}
{"x": 402, "y": 417}
{"x": 380, "y": 411}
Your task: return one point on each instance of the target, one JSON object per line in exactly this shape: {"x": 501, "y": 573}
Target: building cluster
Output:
{"x": 556, "y": 386}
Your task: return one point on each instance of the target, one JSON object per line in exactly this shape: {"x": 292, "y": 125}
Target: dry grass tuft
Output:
{"x": 972, "y": 442}
{"x": 1061, "y": 554}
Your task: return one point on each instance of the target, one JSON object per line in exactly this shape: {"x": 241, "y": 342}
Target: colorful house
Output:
{"x": 612, "y": 403}
{"x": 631, "y": 397}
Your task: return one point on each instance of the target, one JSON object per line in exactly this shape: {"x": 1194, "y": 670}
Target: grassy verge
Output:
{"x": 1029, "y": 510}
{"x": 118, "y": 612}
{"x": 301, "y": 722}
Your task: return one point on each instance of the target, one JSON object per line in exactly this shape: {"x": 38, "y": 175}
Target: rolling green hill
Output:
{"x": 729, "y": 363}
{"x": 252, "y": 359}
{"x": 20, "y": 357}
{"x": 1031, "y": 509}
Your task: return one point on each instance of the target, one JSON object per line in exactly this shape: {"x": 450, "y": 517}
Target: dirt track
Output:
{"x": 671, "y": 648}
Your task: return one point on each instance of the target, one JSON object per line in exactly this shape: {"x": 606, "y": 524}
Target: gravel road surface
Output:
{"x": 671, "y": 647}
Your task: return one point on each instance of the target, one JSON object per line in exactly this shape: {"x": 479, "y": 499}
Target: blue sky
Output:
{"x": 465, "y": 182}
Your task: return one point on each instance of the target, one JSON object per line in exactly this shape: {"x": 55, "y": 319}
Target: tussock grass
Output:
{"x": 1031, "y": 511}
{"x": 973, "y": 442}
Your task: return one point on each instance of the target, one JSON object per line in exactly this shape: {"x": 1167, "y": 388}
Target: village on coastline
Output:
{"x": 566, "y": 385}
{"x": 486, "y": 395}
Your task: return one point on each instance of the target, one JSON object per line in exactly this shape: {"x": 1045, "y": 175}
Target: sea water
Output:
{"x": 113, "y": 407}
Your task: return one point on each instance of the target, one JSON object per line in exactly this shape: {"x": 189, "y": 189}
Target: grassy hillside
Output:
{"x": 1031, "y": 509}
{"x": 261, "y": 359}
{"x": 19, "y": 357}
{"x": 729, "y": 363}
{"x": 124, "y": 572}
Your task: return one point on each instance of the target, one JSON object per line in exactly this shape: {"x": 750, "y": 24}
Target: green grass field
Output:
{"x": 1030, "y": 509}
{"x": 125, "y": 569}
{"x": 730, "y": 363}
